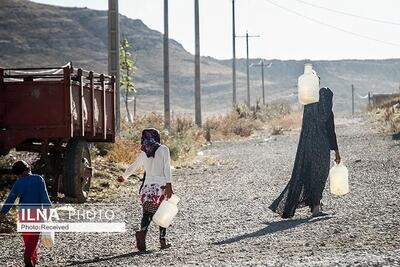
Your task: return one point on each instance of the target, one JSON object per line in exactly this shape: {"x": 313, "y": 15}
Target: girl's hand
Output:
{"x": 168, "y": 190}
{"x": 120, "y": 179}
{"x": 337, "y": 157}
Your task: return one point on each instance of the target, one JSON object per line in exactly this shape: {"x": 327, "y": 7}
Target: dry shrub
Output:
{"x": 392, "y": 118}
{"x": 264, "y": 113}
{"x": 388, "y": 118}
{"x": 276, "y": 130}
{"x": 274, "y": 110}
{"x": 230, "y": 125}
{"x": 133, "y": 131}
{"x": 123, "y": 150}
{"x": 388, "y": 114}
{"x": 244, "y": 112}
{"x": 184, "y": 139}
{"x": 243, "y": 121}
{"x": 289, "y": 121}
{"x": 242, "y": 128}
{"x": 183, "y": 124}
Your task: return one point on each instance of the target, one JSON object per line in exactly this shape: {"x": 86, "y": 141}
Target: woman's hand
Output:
{"x": 168, "y": 190}
{"x": 120, "y": 179}
{"x": 337, "y": 157}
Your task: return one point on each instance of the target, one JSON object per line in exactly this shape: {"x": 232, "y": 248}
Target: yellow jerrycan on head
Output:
{"x": 308, "y": 85}
{"x": 166, "y": 212}
{"x": 339, "y": 179}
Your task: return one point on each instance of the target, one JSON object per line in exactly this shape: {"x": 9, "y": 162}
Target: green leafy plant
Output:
{"x": 128, "y": 69}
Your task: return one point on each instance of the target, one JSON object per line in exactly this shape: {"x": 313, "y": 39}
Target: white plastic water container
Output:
{"x": 339, "y": 179}
{"x": 166, "y": 212}
{"x": 308, "y": 85}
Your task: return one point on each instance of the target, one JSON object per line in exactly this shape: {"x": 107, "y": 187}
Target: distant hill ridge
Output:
{"x": 33, "y": 34}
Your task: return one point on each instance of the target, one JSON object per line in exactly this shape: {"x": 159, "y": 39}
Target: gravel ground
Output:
{"x": 224, "y": 219}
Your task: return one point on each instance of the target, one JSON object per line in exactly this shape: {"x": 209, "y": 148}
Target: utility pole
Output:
{"x": 113, "y": 55}
{"x": 261, "y": 64}
{"x": 262, "y": 81}
{"x": 248, "y": 64}
{"x": 247, "y": 69}
{"x": 167, "y": 109}
{"x": 134, "y": 106}
{"x": 197, "y": 92}
{"x": 352, "y": 99}
{"x": 234, "y": 55}
{"x": 369, "y": 99}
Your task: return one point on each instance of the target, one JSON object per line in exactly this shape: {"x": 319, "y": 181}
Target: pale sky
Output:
{"x": 298, "y": 29}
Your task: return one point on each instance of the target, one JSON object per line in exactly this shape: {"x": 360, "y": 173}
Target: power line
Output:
{"x": 332, "y": 26}
{"x": 349, "y": 14}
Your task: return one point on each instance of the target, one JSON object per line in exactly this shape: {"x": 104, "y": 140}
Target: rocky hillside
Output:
{"x": 375, "y": 76}
{"x": 34, "y": 34}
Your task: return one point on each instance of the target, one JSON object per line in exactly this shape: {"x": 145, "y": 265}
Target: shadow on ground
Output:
{"x": 273, "y": 227}
{"x": 102, "y": 259}
{"x": 396, "y": 136}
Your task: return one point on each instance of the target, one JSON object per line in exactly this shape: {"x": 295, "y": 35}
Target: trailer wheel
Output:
{"x": 77, "y": 170}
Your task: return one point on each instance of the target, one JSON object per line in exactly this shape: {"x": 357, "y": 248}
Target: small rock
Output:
{"x": 336, "y": 231}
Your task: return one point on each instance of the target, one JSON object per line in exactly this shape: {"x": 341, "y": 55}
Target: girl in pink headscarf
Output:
{"x": 155, "y": 158}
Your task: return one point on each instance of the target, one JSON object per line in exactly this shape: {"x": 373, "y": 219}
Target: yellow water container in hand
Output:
{"x": 339, "y": 179}
{"x": 308, "y": 85}
{"x": 166, "y": 212}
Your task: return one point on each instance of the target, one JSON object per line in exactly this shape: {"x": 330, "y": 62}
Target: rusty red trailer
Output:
{"x": 56, "y": 111}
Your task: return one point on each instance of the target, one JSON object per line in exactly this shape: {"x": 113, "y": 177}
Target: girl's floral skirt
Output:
{"x": 151, "y": 196}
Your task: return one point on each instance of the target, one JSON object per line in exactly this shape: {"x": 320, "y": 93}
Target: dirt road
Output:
{"x": 224, "y": 219}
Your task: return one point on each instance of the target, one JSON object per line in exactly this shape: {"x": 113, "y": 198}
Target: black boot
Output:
{"x": 164, "y": 244}
{"x": 317, "y": 211}
{"x": 141, "y": 240}
{"x": 28, "y": 262}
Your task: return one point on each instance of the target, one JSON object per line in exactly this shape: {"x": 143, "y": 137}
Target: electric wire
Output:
{"x": 332, "y": 26}
{"x": 349, "y": 14}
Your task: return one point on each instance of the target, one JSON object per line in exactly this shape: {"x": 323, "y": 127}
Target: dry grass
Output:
{"x": 243, "y": 121}
{"x": 289, "y": 121}
{"x": 228, "y": 126}
{"x": 123, "y": 150}
{"x": 388, "y": 118}
{"x": 392, "y": 118}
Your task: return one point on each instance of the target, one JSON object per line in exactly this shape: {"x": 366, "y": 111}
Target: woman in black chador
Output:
{"x": 311, "y": 167}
